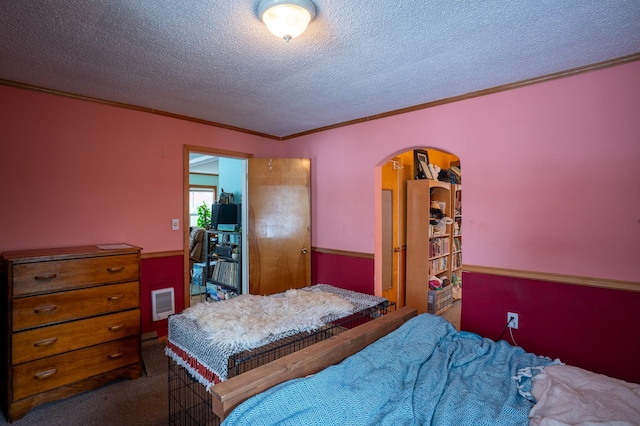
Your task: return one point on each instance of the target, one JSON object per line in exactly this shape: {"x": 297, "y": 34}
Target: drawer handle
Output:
{"x": 46, "y": 309}
{"x": 115, "y": 269}
{"x": 45, "y": 276}
{"x": 45, "y": 342}
{"x": 46, "y": 374}
{"x": 116, "y": 355}
{"x": 116, "y": 297}
{"x": 117, "y": 327}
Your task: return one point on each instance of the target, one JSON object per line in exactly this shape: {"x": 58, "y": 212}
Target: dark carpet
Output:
{"x": 139, "y": 402}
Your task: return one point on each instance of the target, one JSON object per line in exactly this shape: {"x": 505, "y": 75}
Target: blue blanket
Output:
{"x": 423, "y": 373}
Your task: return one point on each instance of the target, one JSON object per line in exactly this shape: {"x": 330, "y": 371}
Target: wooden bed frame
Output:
{"x": 229, "y": 394}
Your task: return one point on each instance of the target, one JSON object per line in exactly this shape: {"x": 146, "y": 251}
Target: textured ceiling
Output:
{"x": 214, "y": 60}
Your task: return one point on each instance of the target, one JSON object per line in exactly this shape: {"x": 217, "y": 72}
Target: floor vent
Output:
{"x": 162, "y": 304}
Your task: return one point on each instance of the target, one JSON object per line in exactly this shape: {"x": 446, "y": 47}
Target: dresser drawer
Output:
{"x": 35, "y": 311}
{"x": 56, "y": 339}
{"x": 56, "y": 275}
{"x": 59, "y": 370}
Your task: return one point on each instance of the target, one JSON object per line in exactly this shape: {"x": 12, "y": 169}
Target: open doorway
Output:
{"x": 204, "y": 180}
{"x": 279, "y": 243}
{"x": 408, "y": 257}
{"x": 207, "y": 174}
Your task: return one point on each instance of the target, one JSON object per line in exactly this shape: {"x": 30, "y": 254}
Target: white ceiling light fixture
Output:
{"x": 286, "y": 18}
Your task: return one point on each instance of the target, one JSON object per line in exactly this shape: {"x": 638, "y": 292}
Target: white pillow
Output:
{"x": 568, "y": 395}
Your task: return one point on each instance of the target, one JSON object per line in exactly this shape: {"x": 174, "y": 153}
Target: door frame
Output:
{"x": 377, "y": 221}
{"x": 188, "y": 149}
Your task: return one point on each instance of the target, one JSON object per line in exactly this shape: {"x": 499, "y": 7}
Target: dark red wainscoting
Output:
{"x": 159, "y": 273}
{"x": 594, "y": 328}
{"x": 348, "y": 272}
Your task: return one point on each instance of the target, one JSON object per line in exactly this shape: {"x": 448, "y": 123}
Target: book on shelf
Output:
{"x": 456, "y": 261}
{"x": 225, "y": 272}
{"x": 438, "y": 247}
{"x": 437, "y": 266}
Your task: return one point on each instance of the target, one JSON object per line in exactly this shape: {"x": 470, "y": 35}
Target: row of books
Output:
{"x": 226, "y": 273}
{"x": 438, "y": 265}
{"x": 457, "y": 244}
{"x": 457, "y": 226}
{"x": 456, "y": 262}
{"x": 438, "y": 247}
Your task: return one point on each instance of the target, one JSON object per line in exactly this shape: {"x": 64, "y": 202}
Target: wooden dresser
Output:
{"x": 72, "y": 323}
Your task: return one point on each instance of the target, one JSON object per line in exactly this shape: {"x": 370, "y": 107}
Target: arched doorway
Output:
{"x": 391, "y": 224}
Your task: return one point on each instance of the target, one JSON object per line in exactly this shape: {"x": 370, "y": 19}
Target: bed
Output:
{"x": 210, "y": 343}
{"x": 405, "y": 368}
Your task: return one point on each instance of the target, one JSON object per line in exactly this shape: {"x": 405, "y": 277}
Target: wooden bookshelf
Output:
{"x": 428, "y": 252}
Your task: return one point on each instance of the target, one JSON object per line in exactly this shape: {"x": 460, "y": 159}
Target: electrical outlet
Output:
{"x": 175, "y": 224}
{"x": 513, "y": 320}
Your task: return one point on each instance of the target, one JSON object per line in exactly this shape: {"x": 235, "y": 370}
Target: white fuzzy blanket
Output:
{"x": 247, "y": 321}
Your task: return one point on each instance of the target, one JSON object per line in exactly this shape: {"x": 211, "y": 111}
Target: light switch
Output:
{"x": 175, "y": 224}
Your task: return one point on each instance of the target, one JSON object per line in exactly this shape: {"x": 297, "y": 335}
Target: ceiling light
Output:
{"x": 286, "y": 18}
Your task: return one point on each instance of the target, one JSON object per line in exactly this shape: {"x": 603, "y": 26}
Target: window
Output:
{"x": 198, "y": 195}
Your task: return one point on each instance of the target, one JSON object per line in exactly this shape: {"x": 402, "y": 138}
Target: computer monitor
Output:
{"x": 226, "y": 214}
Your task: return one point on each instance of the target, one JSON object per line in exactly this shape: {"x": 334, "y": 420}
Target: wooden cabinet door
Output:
{"x": 279, "y": 224}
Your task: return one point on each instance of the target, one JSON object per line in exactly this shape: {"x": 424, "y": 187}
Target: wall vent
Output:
{"x": 162, "y": 304}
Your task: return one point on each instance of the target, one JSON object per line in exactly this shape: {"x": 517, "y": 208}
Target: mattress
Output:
{"x": 423, "y": 373}
{"x": 210, "y": 362}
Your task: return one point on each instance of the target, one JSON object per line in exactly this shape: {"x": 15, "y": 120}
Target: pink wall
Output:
{"x": 551, "y": 181}
{"x": 76, "y": 172}
{"x": 551, "y": 184}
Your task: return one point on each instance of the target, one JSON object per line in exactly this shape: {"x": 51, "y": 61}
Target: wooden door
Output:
{"x": 279, "y": 224}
